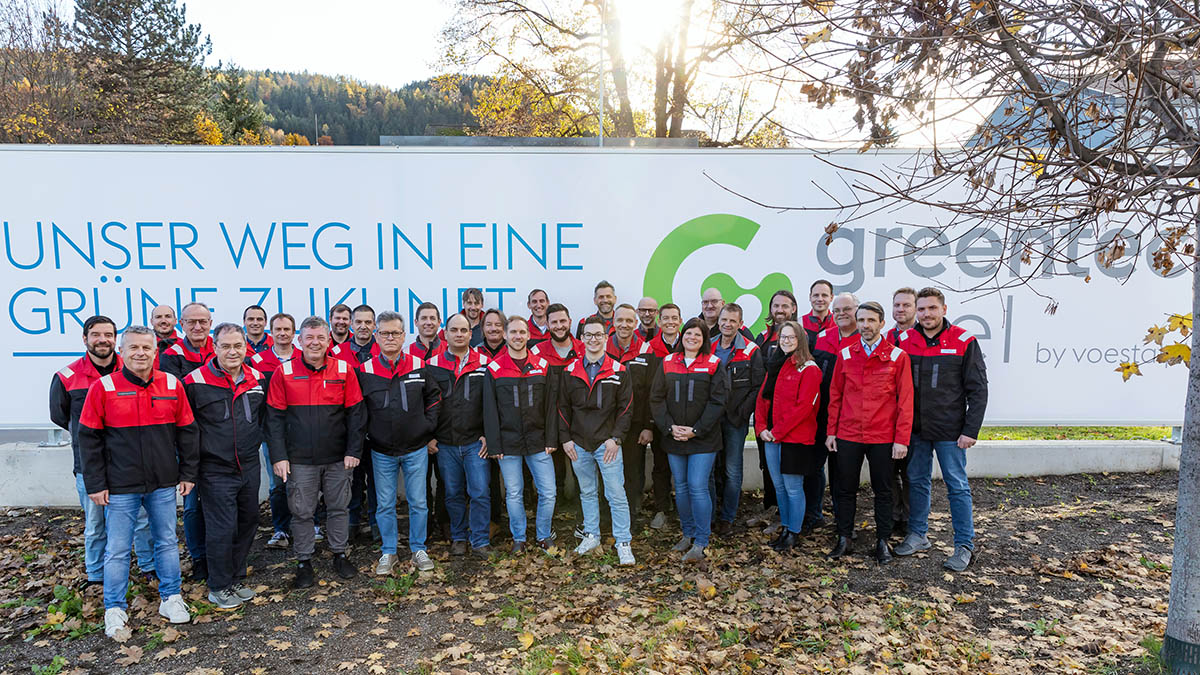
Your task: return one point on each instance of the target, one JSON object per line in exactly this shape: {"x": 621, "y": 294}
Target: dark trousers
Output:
{"x": 362, "y": 493}
{"x": 769, "y": 499}
{"x": 230, "y": 521}
{"x": 849, "y": 458}
{"x": 633, "y": 459}
{"x": 562, "y": 466}
{"x": 900, "y": 509}
{"x": 438, "y": 515}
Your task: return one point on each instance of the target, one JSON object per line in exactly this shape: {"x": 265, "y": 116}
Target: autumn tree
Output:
{"x": 143, "y": 65}
{"x": 239, "y": 113}
{"x": 1071, "y": 126}
{"x": 39, "y": 92}
{"x": 658, "y": 67}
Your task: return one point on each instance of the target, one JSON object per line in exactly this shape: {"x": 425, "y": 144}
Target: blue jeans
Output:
{"x": 121, "y": 519}
{"x": 692, "y": 499}
{"x": 281, "y": 516}
{"x": 953, "y": 461}
{"x": 94, "y": 537}
{"x": 733, "y": 454}
{"x": 789, "y": 490}
{"x": 541, "y": 467}
{"x": 413, "y": 466}
{"x": 193, "y": 526}
{"x": 466, "y": 475}
{"x": 587, "y": 466}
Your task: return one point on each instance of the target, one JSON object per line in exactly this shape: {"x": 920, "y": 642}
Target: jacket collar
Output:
{"x": 134, "y": 379}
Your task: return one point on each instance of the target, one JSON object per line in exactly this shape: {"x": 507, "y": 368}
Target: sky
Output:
{"x": 388, "y": 42}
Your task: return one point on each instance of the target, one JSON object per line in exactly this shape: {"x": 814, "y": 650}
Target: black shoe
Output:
{"x": 304, "y": 575}
{"x": 883, "y": 552}
{"x": 342, "y": 566}
{"x": 840, "y": 549}
{"x": 722, "y": 527}
{"x": 900, "y": 528}
{"x": 483, "y": 552}
{"x": 807, "y": 529}
{"x": 786, "y": 543}
{"x": 200, "y": 570}
{"x": 774, "y": 543}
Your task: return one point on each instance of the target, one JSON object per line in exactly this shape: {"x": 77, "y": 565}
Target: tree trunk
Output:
{"x": 679, "y": 95}
{"x": 624, "y": 121}
{"x": 662, "y": 84}
{"x": 1181, "y": 647}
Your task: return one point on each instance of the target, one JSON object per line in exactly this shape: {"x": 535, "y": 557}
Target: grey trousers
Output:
{"x": 305, "y": 485}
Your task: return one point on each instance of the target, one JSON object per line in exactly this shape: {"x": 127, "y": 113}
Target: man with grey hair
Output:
{"x": 228, "y": 403}
{"x": 136, "y": 446}
{"x": 181, "y": 358}
{"x": 315, "y": 421}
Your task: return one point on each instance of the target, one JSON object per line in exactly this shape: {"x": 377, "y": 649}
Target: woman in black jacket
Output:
{"x": 688, "y": 401}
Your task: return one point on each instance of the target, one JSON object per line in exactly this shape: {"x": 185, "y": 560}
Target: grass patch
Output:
{"x": 1056, "y": 433}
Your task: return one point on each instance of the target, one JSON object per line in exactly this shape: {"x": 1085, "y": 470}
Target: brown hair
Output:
{"x": 801, "y": 354}
{"x": 931, "y": 292}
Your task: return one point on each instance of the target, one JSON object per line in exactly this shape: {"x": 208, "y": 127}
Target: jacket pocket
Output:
{"x": 379, "y": 399}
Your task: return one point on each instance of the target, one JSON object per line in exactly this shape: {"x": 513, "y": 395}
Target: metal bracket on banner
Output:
{"x": 1176, "y": 435}
{"x": 55, "y": 438}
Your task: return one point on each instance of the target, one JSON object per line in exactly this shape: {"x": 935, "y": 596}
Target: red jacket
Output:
{"x": 68, "y": 389}
{"x": 660, "y": 347}
{"x": 423, "y": 352}
{"x": 536, "y": 334}
{"x": 622, "y": 355}
{"x": 546, "y": 350}
{"x": 346, "y": 351}
{"x": 871, "y": 397}
{"x": 267, "y": 362}
{"x": 792, "y": 411}
{"x": 181, "y": 359}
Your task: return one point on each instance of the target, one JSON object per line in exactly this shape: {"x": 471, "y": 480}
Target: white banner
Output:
{"x": 116, "y": 231}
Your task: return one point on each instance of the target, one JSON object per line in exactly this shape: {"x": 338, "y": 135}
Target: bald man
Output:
{"x": 163, "y": 321}
{"x": 647, "y": 311}
{"x": 711, "y": 304}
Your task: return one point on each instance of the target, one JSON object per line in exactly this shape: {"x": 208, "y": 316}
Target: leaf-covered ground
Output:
{"x": 1073, "y": 576}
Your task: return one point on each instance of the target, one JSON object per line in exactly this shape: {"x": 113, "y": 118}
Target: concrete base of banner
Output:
{"x": 32, "y": 475}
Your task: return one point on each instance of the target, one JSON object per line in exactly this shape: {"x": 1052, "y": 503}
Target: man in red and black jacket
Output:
{"x": 68, "y": 389}
{"x": 258, "y": 336}
{"x": 870, "y": 416}
{"x": 951, "y": 391}
{"x": 539, "y": 324}
{"x": 362, "y": 347}
{"x": 459, "y": 442}
{"x": 162, "y": 320}
{"x": 428, "y": 343}
{"x": 628, "y": 349}
{"x": 519, "y": 423}
{"x": 745, "y": 369}
{"x": 403, "y": 404}
{"x": 670, "y": 318}
{"x": 820, "y": 296}
{"x": 195, "y": 348}
{"x": 826, "y": 353}
{"x": 359, "y": 349}
{"x": 605, "y": 298}
{"x": 595, "y": 405}
{"x": 266, "y": 362}
{"x": 136, "y": 445}
{"x": 229, "y": 405}
{"x": 561, "y": 349}
{"x": 647, "y": 311}
{"x": 904, "y": 313}
{"x": 315, "y": 421}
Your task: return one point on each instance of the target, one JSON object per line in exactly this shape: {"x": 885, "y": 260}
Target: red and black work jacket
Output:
{"x": 661, "y": 348}
{"x": 949, "y": 382}
{"x": 826, "y": 353}
{"x": 647, "y": 334}
{"x": 519, "y": 418}
{"x": 640, "y": 361}
{"x": 895, "y": 335}
{"x": 350, "y": 352}
{"x": 230, "y": 418}
{"x": 871, "y": 397}
{"x": 691, "y": 396}
{"x": 791, "y": 412}
{"x": 426, "y": 352}
{"x": 315, "y": 415}
{"x": 555, "y": 364}
{"x": 813, "y": 326}
{"x": 165, "y": 343}
{"x": 608, "y": 323}
{"x": 68, "y": 389}
{"x": 746, "y": 374}
{"x": 593, "y": 410}
{"x": 256, "y": 347}
{"x": 136, "y": 436}
{"x": 491, "y": 353}
{"x": 537, "y": 333}
{"x": 181, "y": 359}
{"x": 403, "y": 403}
{"x": 267, "y": 362}
{"x": 465, "y": 385}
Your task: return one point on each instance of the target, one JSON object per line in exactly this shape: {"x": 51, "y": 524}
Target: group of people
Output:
{"x": 342, "y": 411}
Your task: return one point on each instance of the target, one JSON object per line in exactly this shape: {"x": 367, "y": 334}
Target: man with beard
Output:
{"x": 539, "y": 324}
{"x": 68, "y": 389}
{"x": 605, "y": 298}
{"x": 904, "y": 313}
{"x": 561, "y": 349}
{"x": 472, "y": 308}
{"x": 339, "y": 325}
{"x": 782, "y": 309}
{"x": 493, "y": 333}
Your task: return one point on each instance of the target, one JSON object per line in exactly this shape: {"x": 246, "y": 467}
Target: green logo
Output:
{"x": 695, "y": 234}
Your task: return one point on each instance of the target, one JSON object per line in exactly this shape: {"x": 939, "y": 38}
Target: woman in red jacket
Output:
{"x": 785, "y": 418}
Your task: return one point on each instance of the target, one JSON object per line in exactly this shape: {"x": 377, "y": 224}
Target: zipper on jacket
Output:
{"x": 404, "y": 396}
{"x": 246, "y": 407}
{"x": 516, "y": 397}
{"x": 599, "y": 396}
{"x": 529, "y": 388}
{"x": 691, "y": 389}
{"x": 933, "y": 378}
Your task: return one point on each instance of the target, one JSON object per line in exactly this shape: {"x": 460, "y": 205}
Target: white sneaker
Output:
{"x": 114, "y": 620}
{"x": 590, "y": 543}
{"x": 625, "y": 554}
{"x": 421, "y": 561}
{"x": 174, "y": 609}
{"x": 386, "y": 562}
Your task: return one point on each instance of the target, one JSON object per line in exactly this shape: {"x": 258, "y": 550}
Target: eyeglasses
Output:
{"x": 196, "y": 322}
{"x": 787, "y": 338}
{"x": 390, "y": 334}
{"x": 643, "y": 310}
{"x": 709, "y": 303}
{"x": 593, "y": 336}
